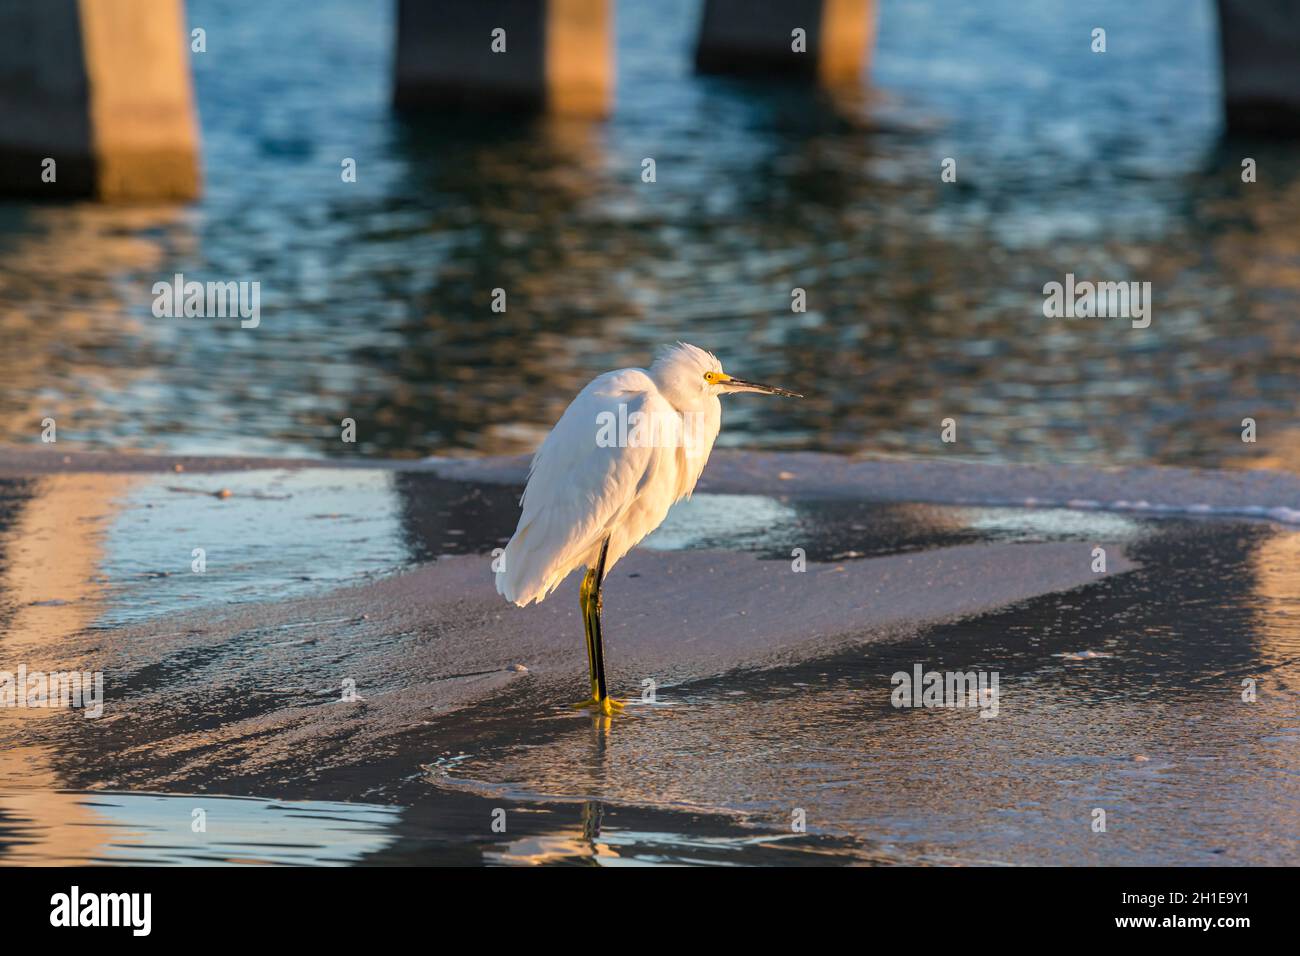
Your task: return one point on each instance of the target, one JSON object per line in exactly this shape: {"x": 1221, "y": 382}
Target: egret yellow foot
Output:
{"x": 609, "y": 706}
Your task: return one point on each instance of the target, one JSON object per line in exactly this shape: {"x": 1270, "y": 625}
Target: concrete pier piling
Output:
{"x": 534, "y": 55}
{"x": 1260, "y": 45}
{"x": 96, "y": 100}
{"x": 827, "y": 41}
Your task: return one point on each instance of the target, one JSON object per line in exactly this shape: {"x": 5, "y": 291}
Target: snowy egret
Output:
{"x": 630, "y": 445}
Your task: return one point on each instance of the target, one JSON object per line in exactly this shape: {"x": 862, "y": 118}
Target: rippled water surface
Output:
{"x": 924, "y": 299}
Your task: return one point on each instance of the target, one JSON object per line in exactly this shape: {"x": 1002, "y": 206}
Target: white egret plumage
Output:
{"x": 630, "y": 445}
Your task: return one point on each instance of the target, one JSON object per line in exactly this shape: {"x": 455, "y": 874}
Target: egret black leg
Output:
{"x": 589, "y": 594}
{"x": 585, "y": 594}
{"x": 598, "y": 642}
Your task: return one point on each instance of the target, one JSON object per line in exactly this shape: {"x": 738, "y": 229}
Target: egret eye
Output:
{"x": 711, "y": 378}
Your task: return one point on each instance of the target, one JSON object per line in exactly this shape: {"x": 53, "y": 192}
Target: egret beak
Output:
{"x": 740, "y": 385}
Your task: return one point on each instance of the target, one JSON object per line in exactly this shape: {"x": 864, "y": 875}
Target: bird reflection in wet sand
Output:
{"x": 564, "y": 846}
{"x": 631, "y": 445}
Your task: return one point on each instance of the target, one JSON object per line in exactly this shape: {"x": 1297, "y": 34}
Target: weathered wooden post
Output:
{"x": 1260, "y": 45}
{"x": 824, "y": 40}
{"x": 96, "y": 100}
{"x": 552, "y": 55}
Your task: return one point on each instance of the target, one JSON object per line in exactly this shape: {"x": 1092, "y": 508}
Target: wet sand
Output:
{"x": 771, "y": 686}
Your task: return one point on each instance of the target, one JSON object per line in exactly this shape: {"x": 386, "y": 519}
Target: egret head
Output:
{"x": 686, "y": 375}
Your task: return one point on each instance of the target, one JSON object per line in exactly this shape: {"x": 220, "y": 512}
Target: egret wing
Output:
{"x": 586, "y": 475}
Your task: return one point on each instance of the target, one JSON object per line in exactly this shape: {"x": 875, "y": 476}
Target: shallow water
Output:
{"x": 1123, "y": 696}
{"x": 924, "y": 298}
{"x": 279, "y": 534}
{"x": 142, "y": 829}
